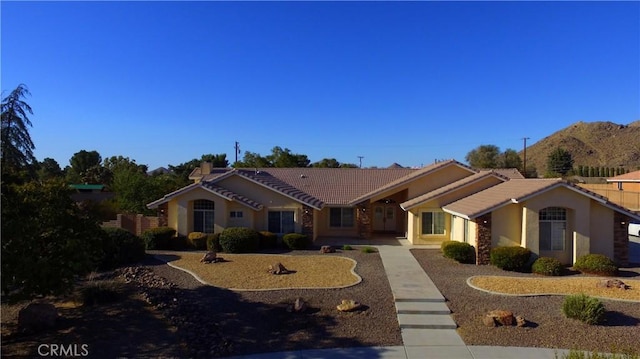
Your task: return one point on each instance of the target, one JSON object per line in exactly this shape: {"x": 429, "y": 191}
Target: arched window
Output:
{"x": 203, "y": 211}
{"x": 553, "y": 228}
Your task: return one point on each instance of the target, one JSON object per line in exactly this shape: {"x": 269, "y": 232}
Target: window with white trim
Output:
{"x": 341, "y": 217}
{"x": 553, "y": 228}
{"x": 432, "y": 223}
{"x": 281, "y": 222}
{"x": 236, "y": 214}
{"x": 203, "y": 216}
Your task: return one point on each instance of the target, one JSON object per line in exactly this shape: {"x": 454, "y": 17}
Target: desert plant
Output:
{"x": 99, "y": 293}
{"x": 296, "y": 241}
{"x": 239, "y": 240}
{"x": 213, "y": 242}
{"x": 510, "y": 258}
{"x": 459, "y": 251}
{"x": 347, "y": 247}
{"x": 158, "y": 238}
{"x": 596, "y": 264}
{"x": 268, "y": 239}
{"x": 368, "y": 249}
{"x": 119, "y": 247}
{"x": 547, "y": 266}
{"x": 577, "y": 354}
{"x": 584, "y": 308}
{"x": 198, "y": 240}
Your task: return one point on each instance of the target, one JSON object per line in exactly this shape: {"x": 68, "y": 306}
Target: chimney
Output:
{"x": 205, "y": 168}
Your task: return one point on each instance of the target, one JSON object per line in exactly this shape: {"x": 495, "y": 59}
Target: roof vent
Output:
{"x": 303, "y": 176}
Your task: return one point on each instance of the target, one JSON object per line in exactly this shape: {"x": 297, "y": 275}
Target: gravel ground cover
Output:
{"x": 249, "y": 322}
{"x": 547, "y": 328}
{"x": 251, "y": 271}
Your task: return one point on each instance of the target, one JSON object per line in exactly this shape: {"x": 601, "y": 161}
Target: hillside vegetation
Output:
{"x": 591, "y": 144}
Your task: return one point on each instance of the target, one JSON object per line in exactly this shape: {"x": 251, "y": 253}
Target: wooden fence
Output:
{"x": 626, "y": 199}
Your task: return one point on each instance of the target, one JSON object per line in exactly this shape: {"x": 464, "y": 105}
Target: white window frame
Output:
{"x": 207, "y": 214}
{"x": 345, "y": 212}
{"x": 556, "y": 220}
{"x": 432, "y": 231}
{"x": 236, "y": 214}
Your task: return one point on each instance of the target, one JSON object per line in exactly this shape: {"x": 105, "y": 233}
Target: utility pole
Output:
{"x": 524, "y": 161}
{"x": 237, "y": 148}
{"x": 360, "y": 158}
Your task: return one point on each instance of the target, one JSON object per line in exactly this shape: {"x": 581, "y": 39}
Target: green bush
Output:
{"x": 198, "y": 240}
{"x": 347, "y": 247}
{"x": 158, "y": 238}
{"x": 547, "y": 266}
{"x": 268, "y": 239}
{"x": 179, "y": 243}
{"x": 368, "y": 250}
{"x": 119, "y": 247}
{"x": 296, "y": 241}
{"x": 584, "y": 308}
{"x": 510, "y": 258}
{"x": 239, "y": 240}
{"x": 459, "y": 251}
{"x": 213, "y": 242}
{"x": 596, "y": 264}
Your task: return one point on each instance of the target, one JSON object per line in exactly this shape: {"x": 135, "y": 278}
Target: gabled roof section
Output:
{"x": 210, "y": 187}
{"x": 429, "y": 196}
{"x": 510, "y": 173}
{"x": 517, "y": 191}
{"x": 410, "y": 177}
{"x": 627, "y": 177}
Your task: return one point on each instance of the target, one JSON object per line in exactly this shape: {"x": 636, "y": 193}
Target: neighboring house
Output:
{"x": 444, "y": 201}
{"x": 90, "y": 192}
{"x": 626, "y": 182}
{"x": 623, "y": 190}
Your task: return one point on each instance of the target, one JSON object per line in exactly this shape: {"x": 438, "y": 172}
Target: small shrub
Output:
{"x": 459, "y": 251}
{"x": 584, "y": 308}
{"x": 444, "y": 244}
{"x": 239, "y": 240}
{"x": 268, "y": 239}
{"x": 596, "y": 264}
{"x": 368, "y": 250}
{"x": 577, "y": 354}
{"x": 347, "y": 247}
{"x": 197, "y": 240}
{"x": 119, "y": 247}
{"x": 99, "y": 293}
{"x": 213, "y": 242}
{"x": 296, "y": 241}
{"x": 510, "y": 258}
{"x": 547, "y": 266}
{"x": 158, "y": 238}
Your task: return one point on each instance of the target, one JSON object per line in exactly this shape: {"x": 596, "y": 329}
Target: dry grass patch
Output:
{"x": 250, "y": 271}
{"x": 559, "y": 286}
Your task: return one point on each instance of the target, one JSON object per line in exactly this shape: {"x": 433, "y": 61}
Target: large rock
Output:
{"x": 348, "y": 305}
{"x": 327, "y": 249}
{"x": 489, "y": 321}
{"x": 299, "y": 306}
{"x": 37, "y": 317}
{"x": 209, "y": 257}
{"x": 502, "y": 317}
{"x": 278, "y": 268}
{"x": 520, "y": 321}
{"x": 612, "y": 283}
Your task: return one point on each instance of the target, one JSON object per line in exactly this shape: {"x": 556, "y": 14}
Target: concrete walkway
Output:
{"x": 428, "y": 331}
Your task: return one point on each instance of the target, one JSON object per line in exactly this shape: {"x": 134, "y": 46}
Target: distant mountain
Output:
{"x": 598, "y": 144}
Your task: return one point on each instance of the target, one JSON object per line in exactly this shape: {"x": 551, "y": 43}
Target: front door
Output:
{"x": 384, "y": 218}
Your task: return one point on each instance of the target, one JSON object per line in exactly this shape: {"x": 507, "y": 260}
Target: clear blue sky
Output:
{"x": 405, "y": 82}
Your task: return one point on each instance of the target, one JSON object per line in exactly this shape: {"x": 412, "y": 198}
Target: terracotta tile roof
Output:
{"x": 627, "y": 177}
{"x": 450, "y": 188}
{"x": 497, "y": 196}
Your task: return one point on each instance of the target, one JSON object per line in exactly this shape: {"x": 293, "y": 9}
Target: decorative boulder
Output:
{"x": 278, "y": 268}
{"x": 327, "y": 249}
{"x": 502, "y": 317}
{"x": 612, "y": 283}
{"x": 298, "y": 306}
{"x": 520, "y": 321}
{"x": 209, "y": 257}
{"x": 348, "y": 305}
{"x": 37, "y": 317}
{"x": 489, "y": 321}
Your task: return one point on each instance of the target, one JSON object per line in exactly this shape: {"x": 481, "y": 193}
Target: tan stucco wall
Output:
{"x": 415, "y": 235}
{"x": 181, "y": 210}
{"x": 435, "y": 180}
{"x": 506, "y": 226}
{"x": 601, "y": 230}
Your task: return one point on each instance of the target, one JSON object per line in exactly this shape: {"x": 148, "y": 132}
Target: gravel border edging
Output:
{"x": 352, "y": 270}
{"x": 537, "y": 294}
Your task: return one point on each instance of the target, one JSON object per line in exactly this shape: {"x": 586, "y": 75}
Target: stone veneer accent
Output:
{"x": 307, "y": 221}
{"x": 483, "y": 234}
{"x": 620, "y": 239}
{"x": 364, "y": 220}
